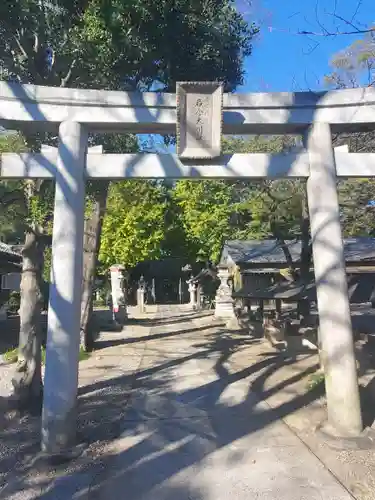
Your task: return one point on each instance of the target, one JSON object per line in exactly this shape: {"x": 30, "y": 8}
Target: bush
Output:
{"x": 11, "y": 356}
{"x": 13, "y": 303}
{"x": 315, "y": 380}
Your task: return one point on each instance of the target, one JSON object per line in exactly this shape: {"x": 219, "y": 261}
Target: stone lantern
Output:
{"x": 141, "y": 291}
{"x": 192, "y": 291}
{"x": 224, "y": 303}
{"x": 119, "y": 311}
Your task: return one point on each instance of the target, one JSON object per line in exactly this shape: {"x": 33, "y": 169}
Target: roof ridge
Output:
{"x": 6, "y": 248}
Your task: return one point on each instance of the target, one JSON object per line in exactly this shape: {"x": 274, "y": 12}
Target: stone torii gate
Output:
{"x": 198, "y": 113}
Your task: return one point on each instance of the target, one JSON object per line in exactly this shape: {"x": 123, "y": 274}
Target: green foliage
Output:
{"x": 357, "y": 218}
{"x": 133, "y": 227}
{"x": 315, "y": 380}
{"x": 122, "y": 44}
{"x": 12, "y": 203}
{"x": 257, "y": 144}
{"x": 206, "y": 208}
{"x": 214, "y": 211}
{"x": 354, "y": 66}
{"x": 12, "y": 143}
{"x": 11, "y": 356}
{"x": 24, "y": 204}
{"x": 40, "y": 205}
{"x": 47, "y": 260}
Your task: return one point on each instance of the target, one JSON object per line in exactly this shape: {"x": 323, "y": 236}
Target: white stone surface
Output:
{"x": 141, "y": 300}
{"x": 336, "y": 334}
{"x": 199, "y": 118}
{"x": 193, "y": 431}
{"x": 192, "y": 291}
{"x": 160, "y": 166}
{"x": 121, "y": 166}
{"x": 224, "y": 304}
{"x": 107, "y": 111}
{"x": 118, "y": 293}
{"x": 63, "y": 337}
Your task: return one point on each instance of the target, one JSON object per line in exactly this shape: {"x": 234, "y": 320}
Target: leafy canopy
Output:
{"x": 133, "y": 228}
{"x": 123, "y": 44}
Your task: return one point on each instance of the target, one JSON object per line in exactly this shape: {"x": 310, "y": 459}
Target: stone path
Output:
{"x": 168, "y": 409}
{"x": 194, "y": 430}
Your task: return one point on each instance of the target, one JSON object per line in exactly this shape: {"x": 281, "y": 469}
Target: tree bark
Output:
{"x": 304, "y": 305}
{"x": 305, "y": 241}
{"x": 93, "y": 228}
{"x": 288, "y": 256}
{"x": 27, "y": 381}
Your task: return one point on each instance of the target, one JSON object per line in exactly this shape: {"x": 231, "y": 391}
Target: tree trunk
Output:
{"x": 305, "y": 240}
{"x": 288, "y": 257}
{"x": 27, "y": 381}
{"x": 304, "y": 305}
{"x": 285, "y": 249}
{"x": 93, "y": 228}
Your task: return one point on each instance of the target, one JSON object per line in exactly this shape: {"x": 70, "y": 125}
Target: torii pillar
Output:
{"x": 336, "y": 335}
{"x": 63, "y": 337}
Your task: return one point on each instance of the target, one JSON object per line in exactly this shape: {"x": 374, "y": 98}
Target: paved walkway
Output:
{"x": 168, "y": 409}
{"x": 192, "y": 428}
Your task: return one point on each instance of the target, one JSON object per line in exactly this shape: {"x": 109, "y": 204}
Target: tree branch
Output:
{"x": 65, "y": 80}
{"x": 36, "y": 43}
{"x": 349, "y": 23}
{"x": 328, "y": 33}
{"x": 19, "y": 45}
{"x": 267, "y": 191}
{"x": 323, "y": 34}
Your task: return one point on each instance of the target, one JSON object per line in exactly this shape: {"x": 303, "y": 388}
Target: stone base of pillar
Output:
{"x": 335, "y": 440}
{"x": 120, "y": 315}
{"x": 224, "y": 308}
{"x": 59, "y": 432}
{"x": 233, "y": 324}
{"x": 224, "y": 304}
{"x": 141, "y": 300}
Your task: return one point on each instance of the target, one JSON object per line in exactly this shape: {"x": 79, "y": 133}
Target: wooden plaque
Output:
{"x": 199, "y": 119}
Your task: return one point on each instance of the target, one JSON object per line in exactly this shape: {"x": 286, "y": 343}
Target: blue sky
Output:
{"x": 285, "y": 61}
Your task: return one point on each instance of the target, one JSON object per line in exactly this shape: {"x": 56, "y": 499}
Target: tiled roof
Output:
{"x": 7, "y": 249}
{"x": 270, "y": 251}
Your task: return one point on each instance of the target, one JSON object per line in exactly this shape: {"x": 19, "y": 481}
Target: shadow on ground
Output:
{"x": 108, "y": 409}
{"x": 139, "y": 404}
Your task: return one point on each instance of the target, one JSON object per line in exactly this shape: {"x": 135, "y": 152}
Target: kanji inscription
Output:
{"x": 199, "y": 115}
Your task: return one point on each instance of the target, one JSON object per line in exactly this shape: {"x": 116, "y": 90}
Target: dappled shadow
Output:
{"x": 103, "y": 344}
{"x": 170, "y": 430}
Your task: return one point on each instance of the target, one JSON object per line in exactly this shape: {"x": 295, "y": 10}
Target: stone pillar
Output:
{"x": 118, "y": 295}
{"x": 141, "y": 300}
{"x": 180, "y": 291}
{"x": 141, "y": 295}
{"x": 224, "y": 303}
{"x": 199, "y": 297}
{"x": 153, "y": 291}
{"x": 63, "y": 338}
{"x": 344, "y": 414}
{"x": 192, "y": 291}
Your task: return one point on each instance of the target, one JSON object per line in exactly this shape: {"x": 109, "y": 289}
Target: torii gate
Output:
{"x": 76, "y": 112}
